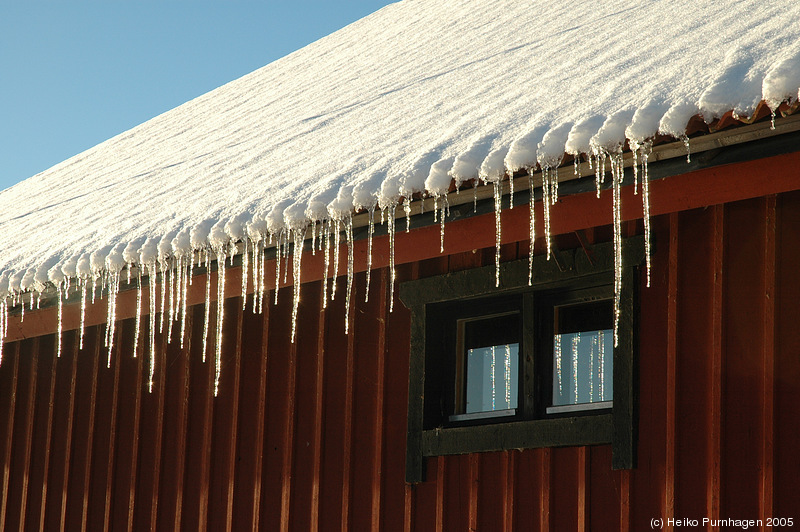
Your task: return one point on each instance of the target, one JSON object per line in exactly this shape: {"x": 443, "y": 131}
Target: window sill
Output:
{"x": 559, "y": 432}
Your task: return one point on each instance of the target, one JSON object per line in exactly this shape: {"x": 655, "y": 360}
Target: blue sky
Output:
{"x": 75, "y": 73}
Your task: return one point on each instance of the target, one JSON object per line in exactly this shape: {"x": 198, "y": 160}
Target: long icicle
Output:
{"x": 208, "y": 304}
{"x": 82, "y": 282}
{"x": 370, "y": 231}
{"x": 546, "y": 202}
{"x": 60, "y": 295}
{"x": 297, "y": 256}
{"x": 390, "y": 216}
{"x": 336, "y": 234}
{"x": 185, "y": 272}
{"x": 532, "y": 225}
{"x": 245, "y": 264}
{"x": 497, "y": 229}
{"x": 326, "y": 237}
{"x": 138, "y": 325}
{"x": 151, "y": 281}
{"x": 646, "y": 206}
{"x": 350, "y": 271}
{"x": 617, "y": 175}
{"x": 220, "y": 316}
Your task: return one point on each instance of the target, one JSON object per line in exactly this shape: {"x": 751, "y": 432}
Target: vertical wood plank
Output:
{"x": 194, "y": 511}
{"x": 715, "y": 377}
{"x": 474, "y": 480}
{"x": 175, "y": 421}
{"x": 69, "y": 420}
{"x": 625, "y": 509}
{"x": 509, "y": 475}
{"x": 124, "y": 475}
{"x": 153, "y": 429}
{"x": 319, "y": 403}
{"x": 380, "y": 376}
{"x": 45, "y": 438}
{"x": 439, "y": 522}
{"x": 583, "y": 491}
{"x": 766, "y": 506}
{"x": 671, "y": 373}
{"x": 10, "y": 368}
{"x": 408, "y": 510}
{"x": 252, "y": 419}
{"x": 545, "y": 460}
{"x": 27, "y": 436}
{"x": 288, "y": 439}
{"x": 226, "y": 419}
{"x": 90, "y": 360}
{"x": 347, "y": 443}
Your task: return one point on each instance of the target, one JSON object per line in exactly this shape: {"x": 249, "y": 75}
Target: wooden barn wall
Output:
{"x": 311, "y": 435}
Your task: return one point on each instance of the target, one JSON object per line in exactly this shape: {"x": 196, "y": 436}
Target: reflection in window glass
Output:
{"x": 492, "y": 376}
{"x": 583, "y": 367}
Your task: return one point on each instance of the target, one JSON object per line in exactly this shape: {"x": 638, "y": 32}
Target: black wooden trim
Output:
{"x": 558, "y": 432}
{"x": 573, "y": 269}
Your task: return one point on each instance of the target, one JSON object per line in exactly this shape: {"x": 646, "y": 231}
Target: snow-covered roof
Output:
{"x": 399, "y": 102}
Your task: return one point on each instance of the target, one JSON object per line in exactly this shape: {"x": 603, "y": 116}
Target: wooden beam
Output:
{"x": 12, "y": 362}
{"x": 715, "y": 377}
{"x": 766, "y": 499}
{"x": 671, "y": 376}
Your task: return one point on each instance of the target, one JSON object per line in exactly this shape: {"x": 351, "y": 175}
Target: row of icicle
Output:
{"x": 176, "y": 270}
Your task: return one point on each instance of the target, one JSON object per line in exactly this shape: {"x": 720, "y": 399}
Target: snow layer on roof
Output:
{"x": 371, "y": 112}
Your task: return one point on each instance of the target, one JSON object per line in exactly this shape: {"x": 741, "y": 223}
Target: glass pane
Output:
{"x": 583, "y": 367}
{"x": 492, "y": 376}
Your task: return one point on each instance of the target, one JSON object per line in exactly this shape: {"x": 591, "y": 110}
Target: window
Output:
{"x": 523, "y": 366}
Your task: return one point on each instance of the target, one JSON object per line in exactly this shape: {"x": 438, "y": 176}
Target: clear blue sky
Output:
{"x": 74, "y": 73}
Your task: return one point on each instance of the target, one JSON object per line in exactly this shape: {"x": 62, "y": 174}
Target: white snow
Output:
{"x": 364, "y": 116}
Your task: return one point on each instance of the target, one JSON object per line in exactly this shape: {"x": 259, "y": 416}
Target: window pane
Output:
{"x": 583, "y": 367}
{"x": 492, "y": 376}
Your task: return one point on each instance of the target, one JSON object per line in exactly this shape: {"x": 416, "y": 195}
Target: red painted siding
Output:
{"x": 311, "y": 435}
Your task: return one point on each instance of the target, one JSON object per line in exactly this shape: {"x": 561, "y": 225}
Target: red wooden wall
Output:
{"x": 311, "y": 435}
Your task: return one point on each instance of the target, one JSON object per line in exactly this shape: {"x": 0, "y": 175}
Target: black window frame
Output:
{"x": 431, "y": 369}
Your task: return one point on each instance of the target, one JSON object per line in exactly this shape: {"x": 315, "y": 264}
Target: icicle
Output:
{"x": 245, "y": 264}
{"x": 60, "y": 296}
{"x": 82, "y": 283}
{"x": 151, "y": 281}
{"x": 646, "y": 206}
{"x": 407, "y": 209}
{"x": 277, "y": 267}
{"x": 297, "y": 255}
{"x": 576, "y": 164}
{"x": 510, "y": 190}
{"x": 113, "y": 290}
{"x": 220, "y": 316}
{"x": 445, "y": 209}
{"x": 497, "y": 228}
{"x": 546, "y": 202}
{"x": 3, "y": 311}
{"x": 138, "y": 313}
{"x": 313, "y": 238}
{"x": 208, "y": 304}
{"x": 185, "y": 272}
{"x": 532, "y": 204}
{"x": 336, "y": 231}
{"x": 475, "y": 196}
{"x": 262, "y": 260}
{"x": 634, "y": 152}
{"x": 370, "y": 232}
{"x": 390, "y": 219}
{"x": 772, "y": 120}
{"x": 285, "y": 256}
{"x": 617, "y": 174}
{"x": 173, "y": 297}
{"x": 350, "y": 272}
{"x": 326, "y": 236}
{"x": 575, "y": 340}
{"x": 163, "y": 297}
{"x": 435, "y": 209}
{"x": 554, "y": 184}
{"x": 685, "y": 140}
